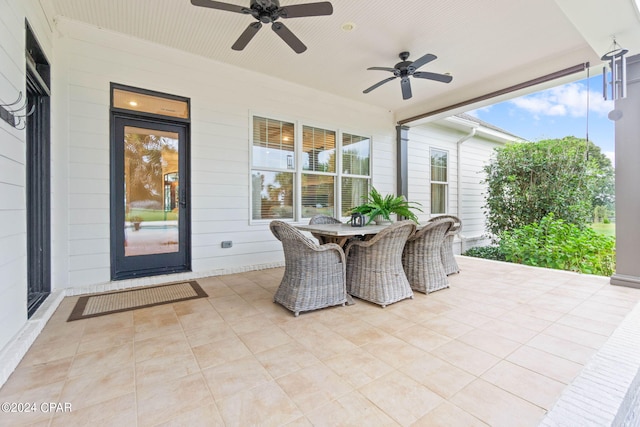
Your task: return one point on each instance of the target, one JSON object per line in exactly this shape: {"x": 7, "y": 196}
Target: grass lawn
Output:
{"x": 606, "y": 229}
{"x": 153, "y": 215}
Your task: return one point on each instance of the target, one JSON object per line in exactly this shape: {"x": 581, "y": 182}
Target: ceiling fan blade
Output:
{"x": 246, "y": 36}
{"x": 405, "y": 84}
{"x": 309, "y": 9}
{"x": 221, "y": 6}
{"x": 433, "y": 76}
{"x": 382, "y": 69}
{"x": 289, "y": 38}
{"x": 423, "y": 60}
{"x": 380, "y": 83}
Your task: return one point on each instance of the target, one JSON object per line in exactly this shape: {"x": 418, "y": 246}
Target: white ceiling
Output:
{"x": 486, "y": 45}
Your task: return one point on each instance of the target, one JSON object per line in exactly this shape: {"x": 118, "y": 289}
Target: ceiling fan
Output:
{"x": 269, "y": 11}
{"x": 404, "y": 69}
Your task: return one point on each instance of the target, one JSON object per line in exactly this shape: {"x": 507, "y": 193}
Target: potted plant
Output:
{"x": 135, "y": 220}
{"x": 379, "y": 208}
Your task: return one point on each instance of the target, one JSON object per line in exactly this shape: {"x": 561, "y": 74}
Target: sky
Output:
{"x": 555, "y": 113}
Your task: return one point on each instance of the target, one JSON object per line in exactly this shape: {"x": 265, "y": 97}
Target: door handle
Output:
{"x": 183, "y": 198}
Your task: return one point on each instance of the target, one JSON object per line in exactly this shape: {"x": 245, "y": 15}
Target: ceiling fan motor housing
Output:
{"x": 404, "y": 67}
{"x": 266, "y": 4}
{"x": 265, "y": 11}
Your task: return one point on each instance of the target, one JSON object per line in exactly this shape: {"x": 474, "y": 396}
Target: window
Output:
{"x": 355, "y": 170}
{"x": 147, "y": 103}
{"x": 272, "y": 177}
{"x": 291, "y": 180}
{"x": 319, "y": 171}
{"x": 439, "y": 181}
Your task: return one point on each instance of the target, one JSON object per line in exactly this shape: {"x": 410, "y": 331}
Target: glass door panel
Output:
{"x": 152, "y": 191}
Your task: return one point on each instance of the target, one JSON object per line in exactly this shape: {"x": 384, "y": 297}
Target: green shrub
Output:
{"x": 554, "y": 243}
{"x": 526, "y": 181}
{"x": 486, "y": 252}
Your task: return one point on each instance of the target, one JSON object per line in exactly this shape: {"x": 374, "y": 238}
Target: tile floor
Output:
{"x": 497, "y": 348}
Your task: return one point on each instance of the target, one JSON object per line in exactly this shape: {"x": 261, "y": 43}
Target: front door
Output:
{"x": 150, "y": 215}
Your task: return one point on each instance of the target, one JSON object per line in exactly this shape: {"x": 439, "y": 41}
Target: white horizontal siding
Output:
{"x": 87, "y": 171}
{"x": 85, "y": 215}
{"x": 13, "y": 198}
{"x": 86, "y": 232}
{"x": 475, "y": 152}
{"x": 13, "y": 268}
{"x": 12, "y": 50}
{"x": 12, "y": 291}
{"x": 242, "y": 245}
{"x": 87, "y": 155}
{"x": 89, "y": 186}
{"x": 81, "y": 201}
{"x": 204, "y": 230}
{"x": 97, "y": 260}
{"x": 13, "y": 246}
{"x": 11, "y": 143}
{"x": 11, "y": 172}
{"x": 80, "y": 247}
{"x": 421, "y": 140}
{"x": 88, "y": 276}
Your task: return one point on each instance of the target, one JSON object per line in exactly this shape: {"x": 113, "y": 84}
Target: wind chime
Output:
{"x": 616, "y": 87}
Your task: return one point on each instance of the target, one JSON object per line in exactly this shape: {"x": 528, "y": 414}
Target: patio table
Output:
{"x": 340, "y": 233}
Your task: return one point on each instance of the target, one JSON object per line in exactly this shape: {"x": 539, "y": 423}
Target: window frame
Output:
{"x": 298, "y": 170}
{"x": 444, "y": 183}
{"x": 342, "y": 175}
{"x": 300, "y": 153}
{"x": 252, "y": 168}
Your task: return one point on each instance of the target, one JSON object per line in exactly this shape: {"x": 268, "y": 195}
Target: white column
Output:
{"x": 627, "y": 130}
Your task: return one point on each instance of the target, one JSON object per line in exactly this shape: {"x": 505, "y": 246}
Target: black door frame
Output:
{"x": 38, "y": 174}
{"x": 147, "y": 265}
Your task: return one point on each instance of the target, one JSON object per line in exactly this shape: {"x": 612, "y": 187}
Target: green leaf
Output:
{"x": 375, "y": 204}
{"x": 555, "y": 243}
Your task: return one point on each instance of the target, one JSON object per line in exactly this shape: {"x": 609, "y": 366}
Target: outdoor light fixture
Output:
{"x": 617, "y": 85}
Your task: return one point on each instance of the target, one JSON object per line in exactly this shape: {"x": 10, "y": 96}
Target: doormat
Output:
{"x": 116, "y": 302}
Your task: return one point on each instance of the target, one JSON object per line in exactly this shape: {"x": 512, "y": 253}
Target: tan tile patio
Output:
{"x": 497, "y": 348}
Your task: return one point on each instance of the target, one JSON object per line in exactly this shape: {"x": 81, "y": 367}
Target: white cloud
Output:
{"x": 534, "y": 104}
{"x": 611, "y": 155}
{"x": 565, "y": 100}
{"x": 476, "y": 113}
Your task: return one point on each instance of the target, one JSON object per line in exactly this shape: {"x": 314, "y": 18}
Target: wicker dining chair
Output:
{"x": 374, "y": 267}
{"x": 448, "y": 260}
{"x": 422, "y": 260}
{"x": 322, "y": 219}
{"x": 314, "y": 275}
